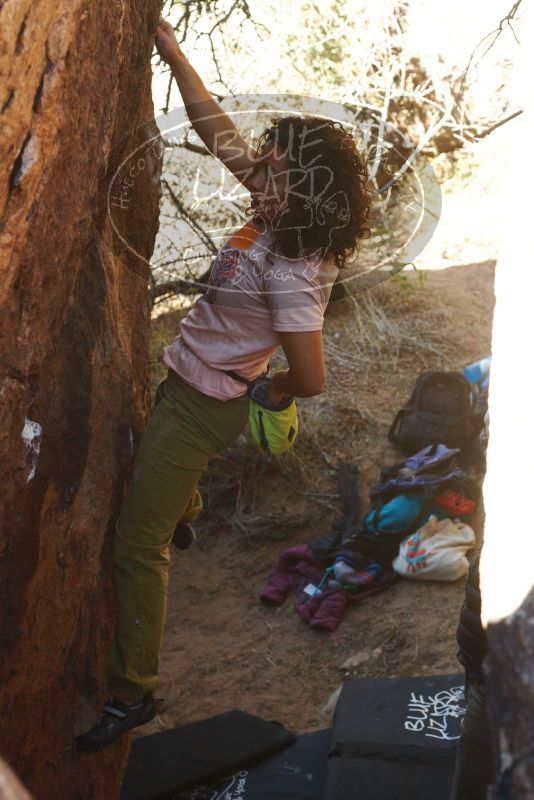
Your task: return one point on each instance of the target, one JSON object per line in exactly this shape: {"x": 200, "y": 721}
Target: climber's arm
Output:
{"x": 213, "y": 126}
{"x": 306, "y": 375}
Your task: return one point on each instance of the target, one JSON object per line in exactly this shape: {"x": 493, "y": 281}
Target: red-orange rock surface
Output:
{"x": 75, "y": 102}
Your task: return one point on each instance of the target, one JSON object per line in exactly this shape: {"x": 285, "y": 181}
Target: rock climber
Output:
{"x": 269, "y": 287}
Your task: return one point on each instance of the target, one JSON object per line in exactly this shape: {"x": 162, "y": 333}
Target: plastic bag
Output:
{"x": 437, "y": 552}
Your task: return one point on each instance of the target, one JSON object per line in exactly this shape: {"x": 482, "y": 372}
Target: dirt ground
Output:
{"x": 223, "y": 649}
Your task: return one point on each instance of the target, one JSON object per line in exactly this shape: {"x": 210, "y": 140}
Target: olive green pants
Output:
{"x": 185, "y": 429}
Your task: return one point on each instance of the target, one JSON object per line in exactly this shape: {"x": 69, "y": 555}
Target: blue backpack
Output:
{"x": 404, "y": 498}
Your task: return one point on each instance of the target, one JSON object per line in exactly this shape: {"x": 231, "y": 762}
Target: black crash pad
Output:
{"x": 373, "y": 779}
{"x": 396, "y": 738}
{"x": 297, "y": 773}
{"x": 164, "y": 763}
{"x": 407, "y": 719}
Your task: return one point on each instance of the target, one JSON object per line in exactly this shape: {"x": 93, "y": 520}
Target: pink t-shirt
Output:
{"x": 252, "y": 294}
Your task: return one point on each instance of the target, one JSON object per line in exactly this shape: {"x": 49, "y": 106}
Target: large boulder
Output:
{"x": 75, "y": 103}
{"x": 506, "y": 572}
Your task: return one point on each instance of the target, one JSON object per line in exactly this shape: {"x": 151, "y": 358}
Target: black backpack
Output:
{"x": 441, "y": 410}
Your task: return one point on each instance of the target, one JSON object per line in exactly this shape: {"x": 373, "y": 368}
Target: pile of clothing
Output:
{"x": 415, "y": 528}
{"x": 324, "y": 574}
{"x": 355, "y": 560}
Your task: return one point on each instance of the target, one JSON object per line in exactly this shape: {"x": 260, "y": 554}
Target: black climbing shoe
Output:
{"x": 115, "y": 719}
{"x": 183, "y": 536}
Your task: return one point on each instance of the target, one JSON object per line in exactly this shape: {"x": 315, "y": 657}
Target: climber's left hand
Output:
{"x": 264, "y": 394}
{"x": 166, "y": 42}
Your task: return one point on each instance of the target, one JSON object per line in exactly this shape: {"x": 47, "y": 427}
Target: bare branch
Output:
{"x": 498, "y": 124}
{"x": 195, "y": 148}
{"x": 199, "y": 230}
{"x": 181, "y": 286}
{"x": 498, "y": 30}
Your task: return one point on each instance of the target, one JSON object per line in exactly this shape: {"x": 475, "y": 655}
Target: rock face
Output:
{"x": 506, "y": 572}
{"x": 78, "y": 220}
{"x": 511, "y": 700}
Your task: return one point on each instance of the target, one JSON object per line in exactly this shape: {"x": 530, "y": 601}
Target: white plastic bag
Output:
{"x": 436, "y": 552}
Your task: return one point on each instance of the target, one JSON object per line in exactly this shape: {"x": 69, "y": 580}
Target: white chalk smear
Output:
{"x": 31, "y": 436}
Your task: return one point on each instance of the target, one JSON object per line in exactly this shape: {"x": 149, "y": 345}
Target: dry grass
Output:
{"x": 391, "y": 321}
{"x": 392, "y": 329}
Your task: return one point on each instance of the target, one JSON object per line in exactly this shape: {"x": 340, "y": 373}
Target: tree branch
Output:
{"x": 498, "y": 124}
{"x": 498, "y": 30}
{"x": 193, "y": 224}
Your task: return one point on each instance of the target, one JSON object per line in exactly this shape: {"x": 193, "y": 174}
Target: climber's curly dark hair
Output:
{"x": 327, "y": 204}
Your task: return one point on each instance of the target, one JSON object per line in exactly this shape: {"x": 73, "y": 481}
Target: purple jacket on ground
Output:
{"x": 294, "y": 570}
{"x": 324, "y": 611}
